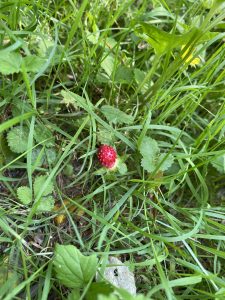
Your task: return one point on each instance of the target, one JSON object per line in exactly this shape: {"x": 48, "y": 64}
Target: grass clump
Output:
{"x": 75, "y": 75}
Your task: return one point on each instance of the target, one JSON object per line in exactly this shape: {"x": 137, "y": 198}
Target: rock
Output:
{"x": 120, "y": 276}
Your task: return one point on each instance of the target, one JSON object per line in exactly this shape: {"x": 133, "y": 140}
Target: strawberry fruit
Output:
{"x": 107, "y": 156}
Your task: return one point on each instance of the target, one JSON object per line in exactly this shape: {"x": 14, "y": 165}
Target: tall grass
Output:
{"x": 168, "y": 227}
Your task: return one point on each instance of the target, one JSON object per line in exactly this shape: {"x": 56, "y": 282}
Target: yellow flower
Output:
{"x": 193, "y": 62}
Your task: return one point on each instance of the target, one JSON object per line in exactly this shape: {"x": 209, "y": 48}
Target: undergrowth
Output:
{"x": 146, "y": 77}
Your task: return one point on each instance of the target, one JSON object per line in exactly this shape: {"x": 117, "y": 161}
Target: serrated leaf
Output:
{"x": 24, "y": 194}
{"x": 149, "y": 148}
{"x": 219, "y": 163}
{"x": 38, "y": 184}
{"x": 42, "y": 134}
{"x": 44, "y": 44}
{"x": 148, "y": 164}
{"x": 10, "y": 62}
{"x": 50, "y": 156}
{"x": 167, "y": 163}
{"x": 17, "y": 139}
{"x": 108, "y": 64}
{"x": 33, "y": 63}
{"x": 105, "y": 136}
{"x": 5, "y": 152}
{"x": 43, "y": 156}
{"x": 37, "y": 156}
{"x": 73, "y": 269}
{"x": 19, "y": 107}
{"x": 151, "y": 156}
{"x": 70, "y": 98}
{"x": 46, "y": 204}
{"x": 115, "y": 115}
{"x": 124, "y": 75}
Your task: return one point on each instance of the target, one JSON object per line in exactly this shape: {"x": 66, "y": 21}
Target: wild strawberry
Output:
{"x": 107, "y": 156}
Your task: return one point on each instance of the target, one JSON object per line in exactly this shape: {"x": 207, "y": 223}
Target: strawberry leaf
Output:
{"x": 148, "y": 164}
{"x": 167, "y": 163}
{"x": 150, "y": 152}
{"x": 33, "y": 63}
{"x": 10, "y": 62}
{"x": 219, "y": 163}
{"x": 17, "y": 139}
{"x": 24, "y": 194}
{"x": 149, "y": 148}
{"x": 115, "y": 115}
{"x": 38, "y": 184}
{"x": 73, "y": 269}
{"x": 108, "y": 64}
{"x": 46, "y": 204}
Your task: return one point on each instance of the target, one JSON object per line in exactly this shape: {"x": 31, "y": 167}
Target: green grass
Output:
{"x": 168, "y": 226}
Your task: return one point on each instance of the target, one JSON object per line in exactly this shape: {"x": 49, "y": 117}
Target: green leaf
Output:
{"x": 8, "y": 279}
{"x": 50, "y": 156}
{"x": 149, "y": 148}
{"x": 70, "y": 98}
{"x": 151, "y": 156}
{"x": 108, "y": 64}
{"x": 24, "y": 194}
{"x": 42, "y": 134}
{"x": 33, "y": 63}
{"x": 219, "y": 163}
{"x": 139, "y": 77}
{"x": 74, "y": 295}
{"x": 167, "y": 163}
{"x": 46, "y": 204}
{"x": 125, "y": 295}
{"x": 10, "y": 62}
{"x": 124, "y": 75}
{"x": 109, "y": 297}
{"x": 140, "y": 297}
{"x": 93, "y": 36}
{"x": 38, "y": 184}
{"x": 162, "y": 41}
{"x": 17, "y": 139}
{"x": 5, "y": 152}
{"x": 99, "y": 288}
{"x": 115, "y": 115}
{"x": 148, "y": 164}
{"x": 37, "y": 157}
{"x": 73, "y": 269}
{"x": 122, "y": 168}
{"x": 105, "y": 136}
{"x": 44, "y": 45}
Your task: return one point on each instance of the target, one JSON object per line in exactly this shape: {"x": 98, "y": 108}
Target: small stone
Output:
{"x": 120, "y": 275}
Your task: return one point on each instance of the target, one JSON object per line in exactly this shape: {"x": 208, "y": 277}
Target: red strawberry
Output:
{"x": 107, "y": 156}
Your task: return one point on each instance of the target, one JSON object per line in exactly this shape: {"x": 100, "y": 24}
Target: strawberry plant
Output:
{"x": 76, "y": 271}
{"x": 46, "y": 202}
{"x": 152, "y": 158}
{"x": 112, "y": 160}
